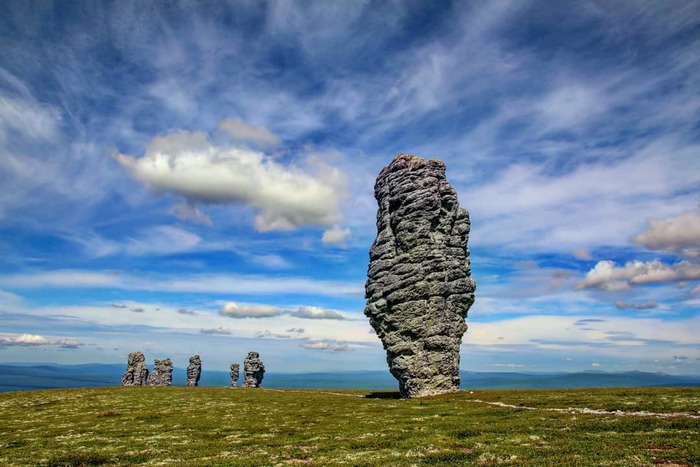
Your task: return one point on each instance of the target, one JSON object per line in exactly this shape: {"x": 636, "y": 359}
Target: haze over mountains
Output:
{"x": 19, "y": 377}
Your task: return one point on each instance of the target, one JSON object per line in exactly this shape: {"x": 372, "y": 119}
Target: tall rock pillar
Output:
{"x": 419, "y": 286}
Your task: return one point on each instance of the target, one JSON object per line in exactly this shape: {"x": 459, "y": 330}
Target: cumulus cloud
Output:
{"x": 679, "y": 234}
{"x": 235, "y": 310}
{"x": 242, "y": 131}
{"x": 327, "y": 345}
{"x": 335, "y": 236}
{"x": 636, "y": 306}
{"x": 31, "y": 340}
{"x": 606, "y": 276}
{"x": 313, "y": 312}
{"x": 284, "y": 197}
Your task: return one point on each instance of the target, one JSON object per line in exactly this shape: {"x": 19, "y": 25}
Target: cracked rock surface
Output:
{"x": 253, "y": 370}
{"x": 419, "y": 286}
{"x": 235, "y": 368}
{"x": 136, "y": 373}
{"x": 194, "y": 371}
{"x": 162, "y": 374}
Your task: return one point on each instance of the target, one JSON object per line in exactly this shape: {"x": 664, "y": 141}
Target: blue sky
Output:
{"x": 197, "y": 177}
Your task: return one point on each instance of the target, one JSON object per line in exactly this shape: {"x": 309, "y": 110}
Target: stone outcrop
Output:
{"x": 136, "y": 373}
{"x": 253, "y": 370}
{"x": 235, "y": 369}
{"x": 194, "y": 371}
{"x": 419, "y": 287}
{"x": 162, "y": 374}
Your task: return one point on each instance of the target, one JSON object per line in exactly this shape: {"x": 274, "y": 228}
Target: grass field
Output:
{"x": 259, "y": 427}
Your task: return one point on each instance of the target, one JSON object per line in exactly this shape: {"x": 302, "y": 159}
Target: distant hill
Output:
{"x": 20, "y": 377}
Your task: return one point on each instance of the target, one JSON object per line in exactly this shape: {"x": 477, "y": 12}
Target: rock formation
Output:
{"x": 194, "y": 371}
{"x": 235, "y": 367}
{"x": 162, "y": 374}
{"x": 253, "y": 370}
{"x": 136, "y": 373}
{"x": 419, "y": 287}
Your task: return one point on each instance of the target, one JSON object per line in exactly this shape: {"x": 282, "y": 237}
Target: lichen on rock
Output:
{"x": 419, "y": 286}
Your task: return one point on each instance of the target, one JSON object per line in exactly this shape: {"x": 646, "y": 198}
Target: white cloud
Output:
{"x": 36, "y": 340}
{"x": 235, "y": 310}
{"x": 695, "y": 290}
{"x": 571, "y": 105}
{"x": 606, "y": 276}
{"x": 27, "y": 117}
{"x": 161, "y": 240}
{"x": 327, "y": 345}
{"x": 283, "y": 197}
{"x": 677, "y": 234}
{"x": 528, "y": 204}
{"x": 270, "y": 261}
{"x": 187, "y": 212}
{"x": 240, "y": 130}
{"x": 313, "y": 312}
{"x": 335, "y": 236}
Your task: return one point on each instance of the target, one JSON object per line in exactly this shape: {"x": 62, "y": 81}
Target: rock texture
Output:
{"x": 162, "y": 374}
{"x": 235, "y": 369}
{"x": 254, "y": 370}
{"x": 136, "y": 373}
{"x": 194, "y": 371}
{"x": 419, "y": 287}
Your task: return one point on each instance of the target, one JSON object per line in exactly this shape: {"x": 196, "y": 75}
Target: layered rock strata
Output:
{"x": 194, "y": 371}
{"x": 136, "y": 373}
{"x": 162, "y": 374}
{"x": 419, "y": 286}
{"x": 235, "y": 370}
{"x": 253, "y": 370}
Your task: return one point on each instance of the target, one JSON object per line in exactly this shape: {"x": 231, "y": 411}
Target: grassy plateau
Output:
{"x": 265, "y": 427}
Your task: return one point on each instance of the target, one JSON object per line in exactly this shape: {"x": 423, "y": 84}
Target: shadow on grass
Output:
{"x": 383, "y": 395}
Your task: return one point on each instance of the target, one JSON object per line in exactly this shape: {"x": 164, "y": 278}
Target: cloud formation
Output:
{"x": 636, "y": 306}
{"x": 679, "y": 234}
{"x": 242, "y": 131}
{"x": 217, "y": 331}
{"x": 336, "y": 236}
{"x": 235, "y": 310}
{"x": 313, "y": 312}
{"x": 31, "y": 340}
{"x": 606, "y": 276}
{"x": 284, "y": 197}
{"x": 327, "y": 345}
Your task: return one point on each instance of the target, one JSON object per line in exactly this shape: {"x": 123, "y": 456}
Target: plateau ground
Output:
{"x": 257, "y": 427}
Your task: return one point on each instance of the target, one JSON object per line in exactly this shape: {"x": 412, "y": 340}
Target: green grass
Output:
{"x": 253, "y": 427}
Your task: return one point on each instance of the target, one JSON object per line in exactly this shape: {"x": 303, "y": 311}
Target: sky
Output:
{"x": 197, "y": 177}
